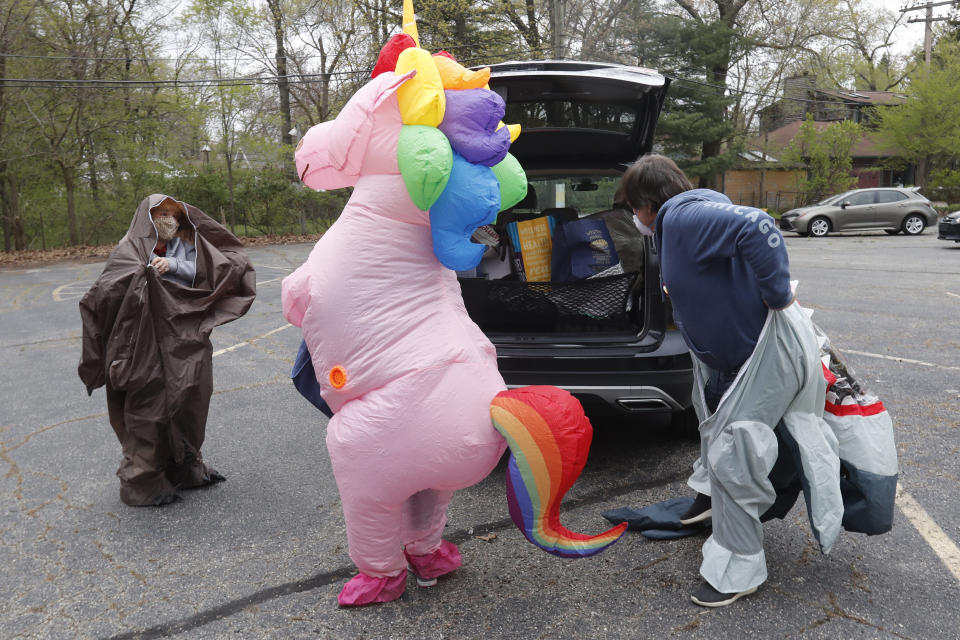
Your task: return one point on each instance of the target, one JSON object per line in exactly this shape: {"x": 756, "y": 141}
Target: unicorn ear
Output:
{"x": 331, "y": 154}
{"x": 387, "y": 60}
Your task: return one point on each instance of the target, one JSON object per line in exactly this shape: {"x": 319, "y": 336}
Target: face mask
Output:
{"x": 166, "y": 227}
{"x": 644, "y": 229}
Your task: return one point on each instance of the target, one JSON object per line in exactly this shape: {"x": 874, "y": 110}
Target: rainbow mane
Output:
{"x": 549, "y": 439}
{"x": 453, "y": 150}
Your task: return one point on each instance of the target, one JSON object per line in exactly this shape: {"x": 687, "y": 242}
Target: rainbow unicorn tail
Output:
{"x": 549, "y": 439}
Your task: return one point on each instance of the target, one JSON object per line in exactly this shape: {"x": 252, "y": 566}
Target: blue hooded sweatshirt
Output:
{"x": 722, "y": 265}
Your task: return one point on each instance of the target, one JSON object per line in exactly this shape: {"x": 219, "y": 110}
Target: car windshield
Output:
{"x": 585, "y": 192}
{"x": 834, "y": 199}
{"x": 566, "y": 113}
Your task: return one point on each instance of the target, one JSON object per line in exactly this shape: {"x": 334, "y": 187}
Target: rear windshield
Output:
{"x": 570, "y": 114}
{"x": 586, "y": 193}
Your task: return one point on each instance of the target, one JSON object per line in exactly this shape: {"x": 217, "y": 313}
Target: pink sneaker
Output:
{"x": 428, "y": 567}
{"x": 361, "y": 589}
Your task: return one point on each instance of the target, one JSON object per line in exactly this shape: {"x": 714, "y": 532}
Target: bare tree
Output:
{"x": 283, "y": 84}
{"x": 224, "y": 27}
{"x": 860, "y": 54}
{"x": 333, "y": 51}
{"x": 83, "y": 37}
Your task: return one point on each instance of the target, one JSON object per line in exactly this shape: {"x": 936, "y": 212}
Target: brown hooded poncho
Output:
{"x": 148, "y": 340}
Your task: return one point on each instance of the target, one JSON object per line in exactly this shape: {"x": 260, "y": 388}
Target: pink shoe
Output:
{"x": 361, "y": 589}
{"x": 428, "y": 567}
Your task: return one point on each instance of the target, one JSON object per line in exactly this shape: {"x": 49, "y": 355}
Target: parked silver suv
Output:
{"x": 893, "y": 209}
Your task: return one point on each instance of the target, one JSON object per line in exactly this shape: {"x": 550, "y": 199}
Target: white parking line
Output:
{"x": 270, "y": 266}
{"x": 898, "y": 359}
{"x": 70, "y": 291}
{"x": 249, "y": 341}
{"x": 955, "y": 295}
{"x": 262, "y": 282}
{"x": 941, "y": 544}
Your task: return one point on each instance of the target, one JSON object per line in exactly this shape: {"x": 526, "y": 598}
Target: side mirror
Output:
{"x": 844, "y": 204}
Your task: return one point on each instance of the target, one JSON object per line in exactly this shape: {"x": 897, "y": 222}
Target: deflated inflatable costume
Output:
{"x": 767, "y": 428}
{"x": 147, "y": 338}
{"x": 809, "y": 431}
{"x": 412, "y": 381}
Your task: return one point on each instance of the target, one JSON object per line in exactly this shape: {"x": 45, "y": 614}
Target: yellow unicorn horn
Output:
{"x": 410, "y": 21}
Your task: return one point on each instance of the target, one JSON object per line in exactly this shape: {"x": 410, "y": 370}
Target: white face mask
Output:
{"x": 166, "y": 227}
{"x": 644, "y": 229}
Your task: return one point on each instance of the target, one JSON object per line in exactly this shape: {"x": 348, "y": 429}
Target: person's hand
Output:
{"x": 162, "y": 265}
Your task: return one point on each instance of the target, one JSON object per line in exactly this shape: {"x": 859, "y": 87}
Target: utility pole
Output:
{"x": 557, "y": 21}
{"x": 928, "y": 21}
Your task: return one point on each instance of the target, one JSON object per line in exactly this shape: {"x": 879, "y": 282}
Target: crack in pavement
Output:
{"x": 254, "y": 385}
{"x": 43, "y": 429}
{"x": 38, "y": 342}
{"x": 459, "y": 536}
{"x": 834, "y": 610}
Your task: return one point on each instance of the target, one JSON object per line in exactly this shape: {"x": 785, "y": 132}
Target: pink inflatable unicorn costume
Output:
{"x": 412, "y": 381}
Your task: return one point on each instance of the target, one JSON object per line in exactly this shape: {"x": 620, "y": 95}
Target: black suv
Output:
{"x": 608, "y": 340}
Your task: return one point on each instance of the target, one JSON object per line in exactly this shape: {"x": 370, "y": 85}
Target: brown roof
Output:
{"x": 865, "y": 97}
{"x": 777, "y": 139}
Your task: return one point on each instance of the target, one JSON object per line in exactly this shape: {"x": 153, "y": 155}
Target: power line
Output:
{"x": 120, "y": 58}
{"x": 745, "y": 91}
{"x": 101, "y": 83}
{"x": 296, "y": 78}
{"x": 104, "y": 83}
{"x": 25, "y": 56}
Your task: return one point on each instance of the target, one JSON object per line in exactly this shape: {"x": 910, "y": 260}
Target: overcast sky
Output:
{"x": 908, "y": 35}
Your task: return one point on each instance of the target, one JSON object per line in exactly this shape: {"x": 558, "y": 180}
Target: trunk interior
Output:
{"x": 588, "y": 284}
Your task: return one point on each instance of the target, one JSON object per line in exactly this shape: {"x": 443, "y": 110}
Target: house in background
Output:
{"x": 760, "y": 180}
{"x": 779, "y": 124}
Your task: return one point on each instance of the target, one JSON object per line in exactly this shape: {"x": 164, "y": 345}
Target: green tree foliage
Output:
{"x": 726, "y": 58}
{"x": 222, "y": 25}
{"x": 518, "y": 29}
{"x": 694, "y": 126}
{"x": 824, "y": 151}
{"x": 69, "y": 129}
{"x": 264, "y": 199}
{"x": 927, "y": 125}
{"x": 16, "y": 23}
{"x": 79, "y": 151}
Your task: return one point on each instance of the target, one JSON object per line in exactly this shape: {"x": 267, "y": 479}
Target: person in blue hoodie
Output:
{"x": 724, "y": 268}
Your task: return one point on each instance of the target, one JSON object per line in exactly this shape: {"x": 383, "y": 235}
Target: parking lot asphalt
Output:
{"x": 263, "y": 555}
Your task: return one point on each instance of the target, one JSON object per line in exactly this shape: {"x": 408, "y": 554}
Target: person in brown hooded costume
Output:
{"x": 173, "y": 277}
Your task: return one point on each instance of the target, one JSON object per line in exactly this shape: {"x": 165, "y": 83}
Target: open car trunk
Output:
{"x": 582, "y": 124}
{"x": 604, "y": 335}
{"x": 508, "y": 304}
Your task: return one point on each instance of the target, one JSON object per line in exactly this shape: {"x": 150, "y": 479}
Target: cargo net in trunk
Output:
{"x": 596, "y": 304}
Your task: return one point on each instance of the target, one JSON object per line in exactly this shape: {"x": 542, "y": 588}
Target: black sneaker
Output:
{"x": 707, "y": 596}
{"x": 699, "y": 511}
